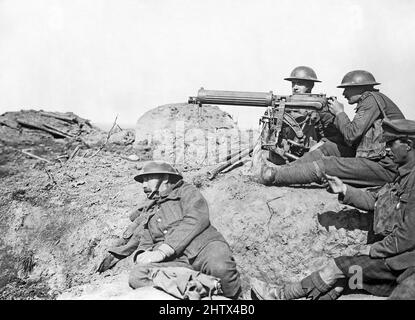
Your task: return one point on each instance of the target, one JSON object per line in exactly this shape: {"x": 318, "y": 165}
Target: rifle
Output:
{"x": 290, "y": 124}
{"x": 232, "y": 160}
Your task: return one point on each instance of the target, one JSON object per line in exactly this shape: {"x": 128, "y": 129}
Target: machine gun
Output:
{"x": 290, "y": 125}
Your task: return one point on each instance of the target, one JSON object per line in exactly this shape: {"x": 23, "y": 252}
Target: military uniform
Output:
{"x": 371, "y": 166}
{"x": 360, "y": 160}
{"x": 323, "y": 118}
{"x": 394, "y": 219}
{"x": 330, "y": 131}
{"x": 180, "y": 219}
{"x": 393, "y": 209}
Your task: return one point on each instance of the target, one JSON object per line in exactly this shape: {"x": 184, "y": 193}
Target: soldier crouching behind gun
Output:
{"x": 380, "y": 267}
{"x": 174, "y": 230}
{"x": 362, "y": 161}
{"x": 302, "y": 80}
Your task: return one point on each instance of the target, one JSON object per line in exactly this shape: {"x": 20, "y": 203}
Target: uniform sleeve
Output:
{"x": 195, "y": 220}
{"x": 361, "y": 199}
{"x": 402, "y": 237}
{"x": 326, "y": 118}
{"x": 132, "y": 238}
{"x": 135, "y": 213}
{"x": 146, "y": 241}
{"x": 365, "y": 116}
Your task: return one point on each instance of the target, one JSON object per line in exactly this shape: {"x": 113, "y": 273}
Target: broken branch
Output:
{"x": 58, "y": 116}
{"x": 35, "y": 126}
{"x": 34, "y": 156}
{"x": 74, "y": 152}
{"x": 108, "y": 137}
{"x": 68, "y": 135}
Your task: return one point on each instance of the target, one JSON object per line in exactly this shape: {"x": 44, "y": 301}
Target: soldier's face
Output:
{"x": 398, "y": 150}
{"x": 353, "y": 94}
{"x": 150, "y": 183}
{"x": 301, "y": 86}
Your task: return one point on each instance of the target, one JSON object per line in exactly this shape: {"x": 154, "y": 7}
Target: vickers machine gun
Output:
{"x": 290, "y": 125}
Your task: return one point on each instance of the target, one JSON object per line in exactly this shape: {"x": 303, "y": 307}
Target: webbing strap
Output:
{"x": 280, "y": 119}
{"x": 380, "y": 105}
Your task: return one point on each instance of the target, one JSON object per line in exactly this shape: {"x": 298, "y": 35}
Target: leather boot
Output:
{"x": 267, "y": 173}
{"x": 259, "y": 164}
{"x": 292, "y": 174}
{"x": 311, "y": 287}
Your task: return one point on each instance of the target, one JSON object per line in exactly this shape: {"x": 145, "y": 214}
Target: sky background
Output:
{"x": 100, "y": 58}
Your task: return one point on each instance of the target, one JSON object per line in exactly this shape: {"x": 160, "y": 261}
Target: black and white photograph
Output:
{"x": 226, "y": 151}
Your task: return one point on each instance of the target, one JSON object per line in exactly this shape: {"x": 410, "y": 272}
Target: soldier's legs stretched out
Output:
{"x": 327, "y": 149}
{"x": 324, "y": 284}
{"x": 361, "y": 171}
{"x": 216, "y": 259}
{"x": 356, "y": 171}
{"x": 330, "y": 148}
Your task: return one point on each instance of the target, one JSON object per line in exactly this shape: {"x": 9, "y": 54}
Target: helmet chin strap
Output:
{"x": 156, "y": 189}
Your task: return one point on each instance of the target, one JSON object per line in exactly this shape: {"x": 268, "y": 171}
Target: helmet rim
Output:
{"x": 154, "y": 167}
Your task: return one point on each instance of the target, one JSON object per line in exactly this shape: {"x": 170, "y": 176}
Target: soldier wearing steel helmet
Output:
{"x": 173, "y": 229}
{"x": 389, "y": 258}
{"x": 369, "y": 165}
{"x": 302, "y": 80}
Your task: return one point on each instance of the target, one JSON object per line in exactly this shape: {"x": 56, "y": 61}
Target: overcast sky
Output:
{"x": 99, "y": 58}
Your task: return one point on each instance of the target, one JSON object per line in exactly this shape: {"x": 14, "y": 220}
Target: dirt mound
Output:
{"x": 282, "y": 233}
{"x": 170, "y": 116}
{"x": 58, "y": 220}
{"x": 63, "y": 216}
{"x": 190, "y": 137}
{"x": 58, "y": 217}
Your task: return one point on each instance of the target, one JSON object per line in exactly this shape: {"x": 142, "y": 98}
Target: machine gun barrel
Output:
{"x": 258, "y": 99}
{"x": 240, "y": 98}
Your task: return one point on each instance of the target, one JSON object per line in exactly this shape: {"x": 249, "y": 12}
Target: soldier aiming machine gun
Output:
{"x": 289, "y": 127}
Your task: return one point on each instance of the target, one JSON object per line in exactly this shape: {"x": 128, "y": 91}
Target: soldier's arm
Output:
{"x": 326, "y": 117}
{"x": 123, "y": 247}
{"x": 134, "y": 235}
{"x": 137, "y": 212}
{"x": 361, "y": 199}
{"x": 146, "y": 241}
{"x": 352, "y": 131}
{"x": 402, "y": 237}
{"x": 195, "y": 220}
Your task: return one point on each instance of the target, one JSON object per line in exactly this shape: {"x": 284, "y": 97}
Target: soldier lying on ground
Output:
{"x": 361, "y": 160}
{"x": 379, "y": 266}
{"x": 174, "y": 230}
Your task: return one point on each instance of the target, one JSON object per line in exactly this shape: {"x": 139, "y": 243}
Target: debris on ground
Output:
{"x": 58, "y": 137}
{"x": 58, "y": 217}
